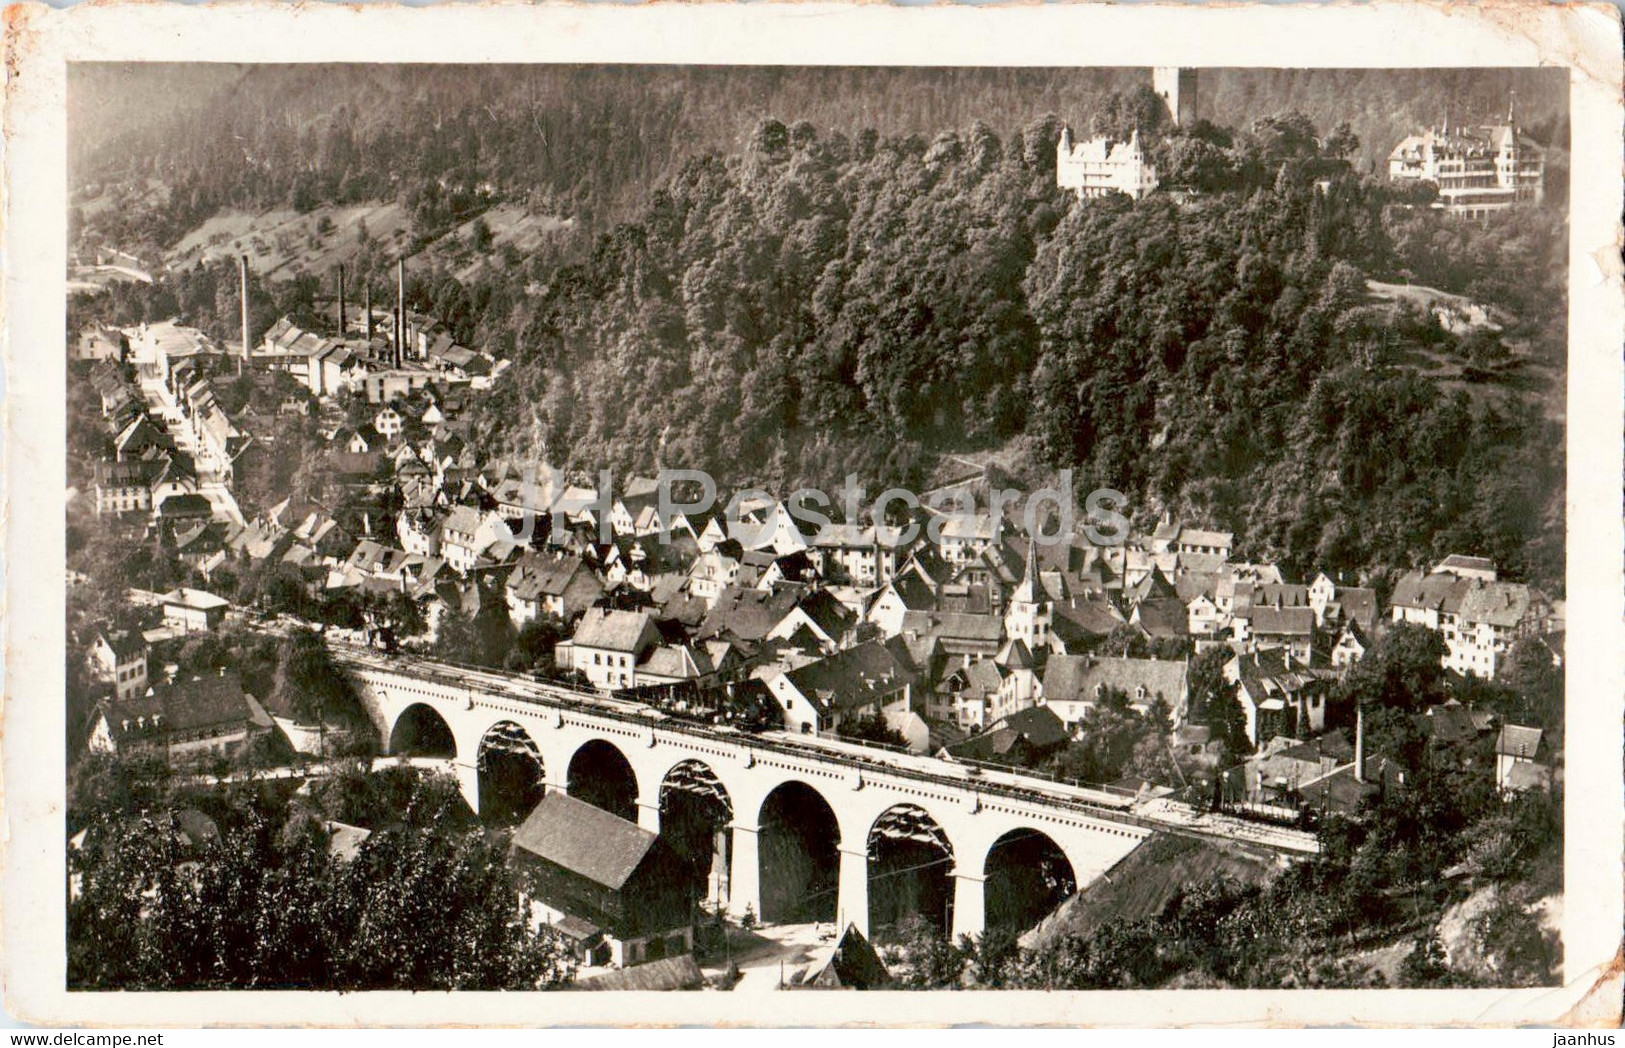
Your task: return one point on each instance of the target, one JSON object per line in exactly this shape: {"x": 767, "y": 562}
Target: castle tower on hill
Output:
{"x": 1177, "y": 89}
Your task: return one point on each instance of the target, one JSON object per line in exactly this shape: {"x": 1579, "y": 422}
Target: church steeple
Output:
{"x": 1028, "y": 616}
{"x": 1030, "y": 590}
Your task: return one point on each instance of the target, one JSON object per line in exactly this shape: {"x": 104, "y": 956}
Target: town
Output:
{"x": 300, "y": 564}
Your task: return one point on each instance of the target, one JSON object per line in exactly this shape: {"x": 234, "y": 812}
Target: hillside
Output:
{"x": 234, "y": 136}
{"x": 1145, "y": 882}
{"x": 803, "y": 301}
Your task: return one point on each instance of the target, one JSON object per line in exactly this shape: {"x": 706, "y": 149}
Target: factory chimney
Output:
{"x": 366, "y": 295}
{"x": 341, "y": 301}
{"x": 1359, "y": 743}
{"x": 400, "y": 306}
{"x": 242, "y": 293}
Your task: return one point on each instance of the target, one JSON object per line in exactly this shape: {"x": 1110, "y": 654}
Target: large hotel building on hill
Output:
{"x": 1477, "y": 169}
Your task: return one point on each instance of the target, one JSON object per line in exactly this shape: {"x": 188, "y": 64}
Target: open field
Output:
{"x": 284, "y": 243}
{"x": 1474, "y": 316}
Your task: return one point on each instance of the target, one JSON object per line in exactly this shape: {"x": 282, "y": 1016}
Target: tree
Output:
{"x": 310, "y": 686}
{"x": 871, "y": 728}
{"x": 1425, "y": 965}
{"x": 931, "y": 961}
{"x": 1214, "y": 702}
{"x": 419, "y": 907}
{"x": 1342, "y": 142}
{"x": 1403, "y": 670}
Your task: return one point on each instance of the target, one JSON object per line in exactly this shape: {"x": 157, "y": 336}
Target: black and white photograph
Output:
{"x": 742, "y": 528}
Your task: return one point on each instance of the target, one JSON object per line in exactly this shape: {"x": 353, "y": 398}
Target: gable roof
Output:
{"x": 1283, "y": 622}
{"x": 584, "y": 839}
{"x": 614, "y": 630}
{"x": 829, "y": 614}
{"x": 1164, "y": 617}
{"x": 199, "y": 706}
{"x": 851, "y": 677}
{"x": 748, "y": 614}
{"x": 1501, "y": 604}
{"x": 1359, "y": 604}
{"x": 915, "y": 593}
{"x": 1069, "y": 678}
{"x": 1279, "y": 595}
{"x": 956, "y": 625}
{"x": 195, "y": 598}
{"x": 669, "y": 973}
{"x": 1516, "y": 740}
{"x": 1441, "y": 592}
{"x": 124, "y": 643}
{"x": 1461, "y": 562}
{"x": 538, "y": 574}
{"x": 852, "y": 964}
{"x": 1037, "y": 724}
{"x": 1088, "y": 616}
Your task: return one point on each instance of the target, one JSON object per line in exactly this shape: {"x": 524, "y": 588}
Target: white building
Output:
{"x": 1101, "y": 165}
{"x": 1478, "y": 616}
{"x": 608, "y": 645}
{"x": 119, "y": 658}
{"x": 1478, "y": 170}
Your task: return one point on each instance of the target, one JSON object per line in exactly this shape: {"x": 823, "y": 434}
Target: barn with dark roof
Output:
{"x": 620, "y": 892}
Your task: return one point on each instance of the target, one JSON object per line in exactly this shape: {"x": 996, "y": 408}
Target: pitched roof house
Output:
{"x": 557, "y": 584}
{"x": 1073, "y": 685}
{"x": 604, "y": 881}
{"x": 204, "y": 716}
{"x": 865, "y": 680}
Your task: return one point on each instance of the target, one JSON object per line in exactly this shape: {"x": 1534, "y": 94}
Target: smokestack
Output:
{"x": 400, "y": 305}
{"x": 1359, "y": 743}
{"x": 366, "y": 294}
{"x": 242, "y": 280}
{"x": 341, "y": 301}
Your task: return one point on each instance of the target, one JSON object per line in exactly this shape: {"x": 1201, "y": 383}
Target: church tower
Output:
{"x": 1177, "y": 89}
{"x": 1030, "y": 613}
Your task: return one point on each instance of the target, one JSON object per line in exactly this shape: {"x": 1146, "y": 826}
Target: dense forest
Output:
{"x": 592, "y": 140}
{"x": 805, "y": 299}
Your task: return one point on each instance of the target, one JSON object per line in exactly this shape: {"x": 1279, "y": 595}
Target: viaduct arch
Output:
{"x": 970, "y": 835}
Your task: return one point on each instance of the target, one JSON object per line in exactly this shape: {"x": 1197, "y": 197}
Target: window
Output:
{"x": 597, "y": 659}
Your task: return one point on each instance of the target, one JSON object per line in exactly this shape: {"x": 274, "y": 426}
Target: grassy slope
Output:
{"x": 1144, "y": 882}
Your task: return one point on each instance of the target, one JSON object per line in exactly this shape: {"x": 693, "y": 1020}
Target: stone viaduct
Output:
{"x": 791, "y": 822}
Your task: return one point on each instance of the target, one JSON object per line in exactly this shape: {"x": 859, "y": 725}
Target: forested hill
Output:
{"x": 893, "y": 274}
{"x": 589, "y": 142}
{"x": 807, "y": 307}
